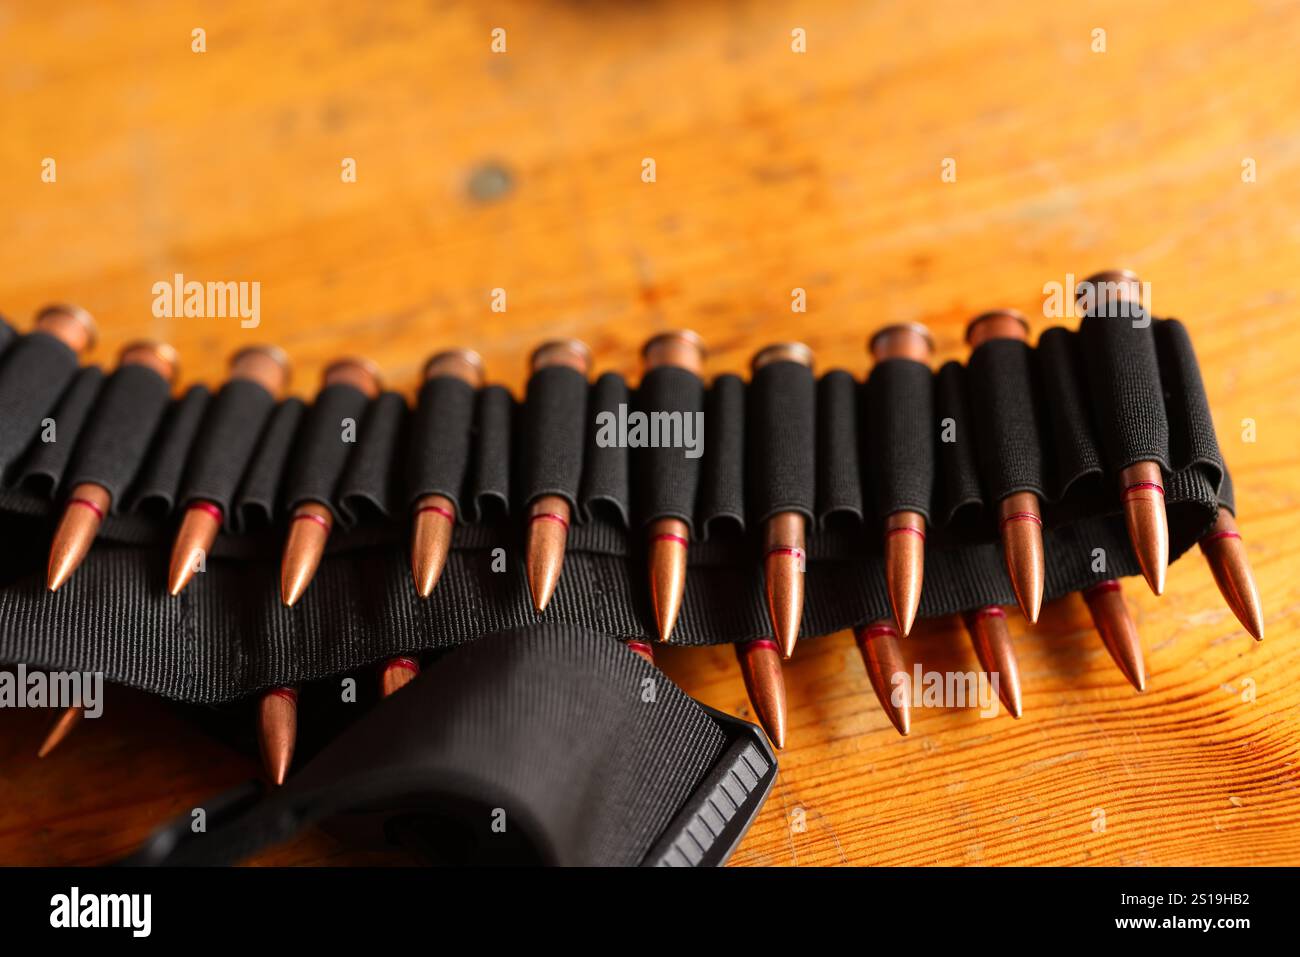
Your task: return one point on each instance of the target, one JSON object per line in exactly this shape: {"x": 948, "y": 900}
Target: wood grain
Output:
{"x": 775, "y": 171}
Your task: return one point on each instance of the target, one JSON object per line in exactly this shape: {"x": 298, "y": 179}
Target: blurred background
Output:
{"x": 895, "y": 161}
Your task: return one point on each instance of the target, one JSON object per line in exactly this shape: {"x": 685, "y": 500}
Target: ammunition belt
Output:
{"x": 1059, "y": 419}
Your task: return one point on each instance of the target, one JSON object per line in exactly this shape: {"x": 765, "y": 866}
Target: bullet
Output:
{"x": 1226, "y": 554}
{"x": 70, "y": 718}
{"x": 89, "y": 503}
{"x": 434, "y": 517}
{"x": 669, "y": 538}
{"x": 277, "y": 726}
{"x": 268, "y": 367}
{"x": 989, "y": 634}
{"x": 642, "y": 649}
{"x": 71, "y": 325}
{"x": 760, "y": 666}
{"x": 311, "y": 522}
{"x": 549, "y": 515}
{"x": 904, "y": 529}
{"x": 1143, "y": 493}
{"x": 398, "y": 673}
{"x": 1117, "y": 629}
{"x": 76, "y": 329}
{"x": 883, "y": 657}
{"x": 309, "y": 531}
{"x": 1020, "y": 519}
{"x": 1141, "y": 483}
{"x": 784, "y": 542}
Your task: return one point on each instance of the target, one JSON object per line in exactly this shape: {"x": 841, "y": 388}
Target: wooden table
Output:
{"x": 774, "y": 170}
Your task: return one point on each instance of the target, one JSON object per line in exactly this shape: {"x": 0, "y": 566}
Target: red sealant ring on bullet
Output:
{"x": 641, "y": 646}
{"x": 875, "y": 631}
{"x": 213, "y": 510}
{"x": 1109, "y": 585}
{"x": 551, "y": 517}
{"x": 1217, "y": 535}
{"x": 1022, "y": 517}
{"x": 760, "y": 643}
{"x": 905, "y": 528}
{"x": 1142, "y": 486}
{"x": 437, "y": 509}
{"x": 288, "y": 694}
{"x": 89, "y": 504}
{"x": 798, "y": 553}
{"x": 670, "y": 537}
{"x": 409, "y": 664}
{"x": 992, "y": 611}
{"x": 314, "y": 517}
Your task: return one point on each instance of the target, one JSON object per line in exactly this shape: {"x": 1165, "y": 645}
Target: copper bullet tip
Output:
{"x": 883, "y": 657}
{"x": 997, "y": 324}
{"x": 989, "y": 634}
{"x": 642, "y": 649}
{"x": 1021, "y": 529}
{"x": 434, "y": 522}
{"x": 82, "y": 515}
{"x": 70, "y": 718}
{"x": 1143, "y": 494}
{"x": 309, "y": 531}
{"x": 266, "y": 365}
{"x": 902, "y": 340}
{"x": 760, "y": 666}
{"x": 783, "y": 567}
{"x": 199, "y": 528}
{"x": 548, "y": 532}
{"x": 1117, "y": 630}
{"x": 782, "y": 352}
{"x": 71, "y": 325}
{"x": 905, "y": 566}
{"x": 669, "y": 539}
{"x": 277, "y": 727}
{"x": 573, "y": 353}
{"x": 1225, "y": 552}
{"x": 398, "y": 673}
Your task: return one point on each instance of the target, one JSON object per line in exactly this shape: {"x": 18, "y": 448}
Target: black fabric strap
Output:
{"x": 33, "y": 374}
{"x": 722, "y": 484}
{"x": 130, "y": 407}
{"x": 1003, "y": 402}
{"x": 440, "y": 440}
{"x": 328, "y": 435}
{"x": 554, "y": 433}
{"x": 605, "y": 474}
{"x": 839, "y": 477}
{"x": 900, "y": 436}
{"x": 43, "y": 467}
{"x": 371, "y": 485}
{"x": 1124, "y": 381}
{"x": 545, "y": 745}
{"x": 666, "y": 479}
{"x": 493, "y": 433}
{"x": 229, "y": 436}
{"x": 1074, "y": 455}
{"x": 781, "y": 441}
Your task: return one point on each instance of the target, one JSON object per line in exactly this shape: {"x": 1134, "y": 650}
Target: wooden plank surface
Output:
{"x": 775, "y": 170}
